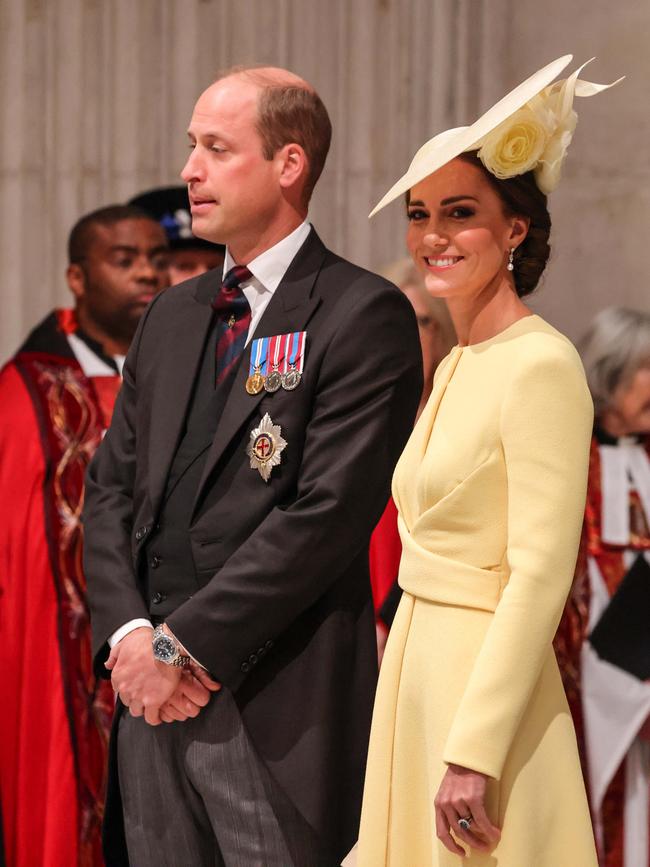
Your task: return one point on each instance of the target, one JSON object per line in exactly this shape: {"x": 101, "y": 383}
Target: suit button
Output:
{"x": 141, "y": 532}
{"x": 253, "y": 659}
{"x": 155, "y": 561}
{"x": 245, "y": 667}
{"x": 268, "y": 645}
{"x": 157, "y": 598}
{"x": 261, "y": 651}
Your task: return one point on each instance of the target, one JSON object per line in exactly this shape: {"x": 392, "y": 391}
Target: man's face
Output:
{"x": 191, "y": 262}
{"x": 125, "y": 266}
{"x": 234, "y": 191}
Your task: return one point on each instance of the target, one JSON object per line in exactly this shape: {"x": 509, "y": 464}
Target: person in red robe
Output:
{"x": 57, "y": 395}
{"x": 437, "y": 336}
{"x": 603, "y": 642}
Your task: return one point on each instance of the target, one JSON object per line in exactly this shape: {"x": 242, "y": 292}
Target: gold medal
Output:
{"x": 256, "y": 379}
{"x": 265, "y": 447}
{"x": 255, "y": 383}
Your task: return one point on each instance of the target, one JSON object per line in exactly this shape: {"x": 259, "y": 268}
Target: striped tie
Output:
{"x": 233, "y": 318}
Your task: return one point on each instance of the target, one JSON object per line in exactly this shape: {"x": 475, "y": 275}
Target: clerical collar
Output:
{"x": 605, "y": 439}
{"x": 98, "y": 350}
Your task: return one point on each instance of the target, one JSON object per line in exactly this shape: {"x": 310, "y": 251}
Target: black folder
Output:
{"x": 622, "y": 635}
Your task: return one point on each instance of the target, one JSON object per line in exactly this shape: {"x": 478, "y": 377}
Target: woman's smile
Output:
{"x": 441, "y": 263}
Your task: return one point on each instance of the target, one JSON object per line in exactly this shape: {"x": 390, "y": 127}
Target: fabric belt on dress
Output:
{"x": 436, "y": 578}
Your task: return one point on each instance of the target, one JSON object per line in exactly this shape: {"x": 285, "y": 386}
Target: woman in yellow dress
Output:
{"x": 473, "y": 755}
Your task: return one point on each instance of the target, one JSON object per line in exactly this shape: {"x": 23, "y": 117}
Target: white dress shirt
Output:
{"x": 267, "y": 269}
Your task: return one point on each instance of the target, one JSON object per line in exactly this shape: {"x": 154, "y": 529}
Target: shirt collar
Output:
{"x": 269, "y": 267}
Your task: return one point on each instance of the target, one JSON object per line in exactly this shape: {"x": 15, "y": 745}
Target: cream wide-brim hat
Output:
{"x": 449, "y": 144}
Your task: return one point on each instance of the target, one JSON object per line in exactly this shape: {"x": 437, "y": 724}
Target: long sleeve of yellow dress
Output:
{"x": 546, "y": 423}
{"x": 490, "y": 491}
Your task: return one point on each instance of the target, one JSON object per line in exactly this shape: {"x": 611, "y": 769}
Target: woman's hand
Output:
{"x": 462, "y": 795}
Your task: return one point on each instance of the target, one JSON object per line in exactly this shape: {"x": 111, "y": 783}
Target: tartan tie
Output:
{"x": 233, "y": 318}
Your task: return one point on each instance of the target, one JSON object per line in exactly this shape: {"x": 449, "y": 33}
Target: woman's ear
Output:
{"x": 518, "y": 231}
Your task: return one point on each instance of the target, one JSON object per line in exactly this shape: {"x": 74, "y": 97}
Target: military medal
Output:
{"x": 273, "y": 381}
{"x": 255, "y": 381}
{"x": 276, "y": 354}
{"x": 265, "y": 447}
{"x": 276, "y": 362}
{"x": 294, "y": 361}
{"x": 291, "y": 379}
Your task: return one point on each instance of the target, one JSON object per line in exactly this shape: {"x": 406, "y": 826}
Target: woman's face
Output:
{"x": 629, "y": 412}
{"x": 458, "y": 234}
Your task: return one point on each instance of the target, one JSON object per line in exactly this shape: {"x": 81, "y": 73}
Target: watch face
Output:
{"x": 164, "y": 648}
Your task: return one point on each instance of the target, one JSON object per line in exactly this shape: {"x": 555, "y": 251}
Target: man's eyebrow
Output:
{"x": 211, "y": 136}
{"x": 128, "y": 248}
{"x": 122, "y": 248}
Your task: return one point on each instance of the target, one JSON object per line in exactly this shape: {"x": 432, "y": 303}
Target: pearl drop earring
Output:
{"x": 511, "y": 259}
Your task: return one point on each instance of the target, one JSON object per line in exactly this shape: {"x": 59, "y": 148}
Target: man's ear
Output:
{"x": 293, "y": 164}
{"x": 76, "y": 278}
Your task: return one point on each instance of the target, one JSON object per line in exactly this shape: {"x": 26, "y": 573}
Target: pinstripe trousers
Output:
{"x": 196, "y": 794}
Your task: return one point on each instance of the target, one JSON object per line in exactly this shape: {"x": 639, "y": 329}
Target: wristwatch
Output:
{"x": 166, "y": 649}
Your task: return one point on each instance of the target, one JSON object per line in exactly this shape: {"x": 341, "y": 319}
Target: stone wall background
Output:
{"x": 95, "y": 96}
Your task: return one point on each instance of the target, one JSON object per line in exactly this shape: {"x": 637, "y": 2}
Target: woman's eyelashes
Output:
{"x": 459, "y": 212}
{"x": 416, "y": 214}
{"x": 462, "y": 212}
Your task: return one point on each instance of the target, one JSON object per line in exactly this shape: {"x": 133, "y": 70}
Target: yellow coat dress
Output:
{"x": 490, "y": 491}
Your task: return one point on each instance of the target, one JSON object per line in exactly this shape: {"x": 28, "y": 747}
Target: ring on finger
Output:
{"x": 465, "y": 822}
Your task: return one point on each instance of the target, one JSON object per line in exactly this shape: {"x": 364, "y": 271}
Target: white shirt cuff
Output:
{"x": 119, "y": 634}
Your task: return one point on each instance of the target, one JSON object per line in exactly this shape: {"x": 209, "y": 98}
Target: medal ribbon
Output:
{"x": 259, "y": 352}
{"x": 281, "y": 352}
{"x": 276, "y": 350}
{"x": 296, "y": 356}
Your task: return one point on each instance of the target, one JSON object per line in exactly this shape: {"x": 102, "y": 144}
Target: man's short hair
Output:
{"x": 83, "y": 231}
{"x": 289, "y": 113}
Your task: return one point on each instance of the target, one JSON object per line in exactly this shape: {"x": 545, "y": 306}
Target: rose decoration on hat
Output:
{"x": 517, "y": 145}
{"x": 537, "y": 136}
{"x": 529, "y": 129}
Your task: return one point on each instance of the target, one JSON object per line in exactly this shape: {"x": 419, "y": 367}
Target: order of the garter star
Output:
{"x": 265, "y": 447}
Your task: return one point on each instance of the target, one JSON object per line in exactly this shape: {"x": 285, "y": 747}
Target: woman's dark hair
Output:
{"x": 521, "y": 197}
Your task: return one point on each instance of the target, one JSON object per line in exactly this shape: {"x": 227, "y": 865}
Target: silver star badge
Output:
{"x": 265, "y": 447}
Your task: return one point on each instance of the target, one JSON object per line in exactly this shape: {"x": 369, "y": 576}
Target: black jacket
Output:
{"x": 284, "y": 563}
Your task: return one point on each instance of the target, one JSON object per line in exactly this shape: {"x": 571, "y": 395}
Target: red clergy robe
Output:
{"x": 384, "y": 555}
{"x": 608, "y": 561}
{"x": 55, "y": 718}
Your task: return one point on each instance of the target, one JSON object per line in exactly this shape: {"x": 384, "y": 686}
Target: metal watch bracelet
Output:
{"x": 166, "y": 649}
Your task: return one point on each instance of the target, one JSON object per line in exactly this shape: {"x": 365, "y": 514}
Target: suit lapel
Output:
{"x": 290, "y": 309}
{"x": 174, "y": 382}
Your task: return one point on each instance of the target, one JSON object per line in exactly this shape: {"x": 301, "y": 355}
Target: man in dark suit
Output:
{"x": 231, "y": 504}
